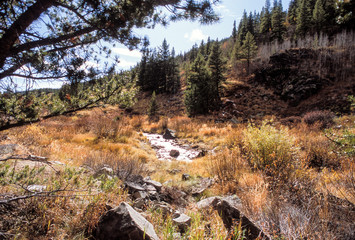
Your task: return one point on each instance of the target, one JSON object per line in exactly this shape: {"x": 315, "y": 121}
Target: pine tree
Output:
{"x": 153, "y": 106}
{"x": 237, "y": 52}
{"x": 234, "y": 31}
{"x": 249, "y": 48}
{"x": 303, "y": 18}
{"x": 277, "y": 21}
{"x": 292, "y": 12}
{"x": 196, "y": 95}
{"x": 243, "y": 27}
{"x": 324, "y": 15}
{"x": 265, "y": 21}
{"x": 216, "y": 67}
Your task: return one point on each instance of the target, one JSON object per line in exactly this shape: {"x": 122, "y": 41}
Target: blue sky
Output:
{"x": 184, "y": 34}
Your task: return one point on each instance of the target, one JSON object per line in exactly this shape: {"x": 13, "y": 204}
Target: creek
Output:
{"x": 163, "y": 148}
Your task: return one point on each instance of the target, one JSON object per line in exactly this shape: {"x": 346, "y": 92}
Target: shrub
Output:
{"x": 324, "y": 119}
{"x": 226, "y": 165}
{"x": 267, "y": 148}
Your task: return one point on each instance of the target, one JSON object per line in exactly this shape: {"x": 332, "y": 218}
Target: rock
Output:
{"x": 125, "y": 223}
{"x": 168, "y": 135}
{"x": 230, "y": 214}
{"x": 182, "y": 221}
{"x": 202, "y": 153}
{"x": 185, "y": 177}
{"x": 133, "y": 187}
{"x": 140, "y": 194}
{"x": 7, "y": 148}
{"x": 155, "y": 184}
{"x": 208, "y": 202}
{"x": 174, "y": 153}
{"x": 164, "y": 207}
{"x": 36, "y": 188}
{"x": 174, "y": 171}
{"x": 201, "y": 186}
{"x": 106, "y": 170}
{"x": 139, "y": 203}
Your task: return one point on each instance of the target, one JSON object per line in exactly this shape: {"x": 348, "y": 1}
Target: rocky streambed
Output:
{"x": 168, "y": 148}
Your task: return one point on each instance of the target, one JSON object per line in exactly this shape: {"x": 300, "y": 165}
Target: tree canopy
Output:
{"x": 53, "y": 39}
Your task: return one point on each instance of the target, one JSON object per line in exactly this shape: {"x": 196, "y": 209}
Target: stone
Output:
{"x": 182, "y": 221}
{"x": 168, "y": 135}
{"x": 230, "y": 214}
{"x": 104, "y": 171}
{"x": 7, "y": 148}
{"x": 140, "y": 194}
{"x": 164, "y": 207}
{"x": 185, "y": 177}
{"x": 139, "y": 203}
{"x": 124, "y": 223}
{"x": 133, "y": 187}
{"x": 174, "y": 153}
{"x": 207, "y": 203}
{"x": 153, "y": 183}
{"x": 36, "y": 188}
{"x": 201, "y": 186}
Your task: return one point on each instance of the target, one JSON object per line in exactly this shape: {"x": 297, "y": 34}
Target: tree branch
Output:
{"x": 48, "y": 41}
{"x": 37, "y": 78}
{"x": 10, "y": 36}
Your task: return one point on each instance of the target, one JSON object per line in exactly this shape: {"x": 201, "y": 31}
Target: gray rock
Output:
{"x": 208, "y": 202}
{"x": 140, "y": 194}
{"x": 168, "y": 135}
{"x": 182, "y": 221}
{"x": 133, "y": 187}
{"x": 155, "y": 184}
{"x": 174, "y": 153}
{"x": 124, "y": 223}
{"x": 139, "y": 203}
{"x": 7, "y": 148}
{"x": 185, "y": 177}
{"x": 104, "y": 171}
{"x": 36, "y": 188}
{"x": 230, "y": 214}
{"x": 201, "y": 186}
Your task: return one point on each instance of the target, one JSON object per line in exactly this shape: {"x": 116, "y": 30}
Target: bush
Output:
{"x": 324, "y": 119}
{"x": 268, "y": 149}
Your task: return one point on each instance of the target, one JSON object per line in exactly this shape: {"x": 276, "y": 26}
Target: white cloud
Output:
{"x": 127, "y": 52}
{"x": 126, "y": 64}
{"x": 196, "y": 35}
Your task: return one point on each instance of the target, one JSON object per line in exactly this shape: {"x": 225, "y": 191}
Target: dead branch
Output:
{"x": 32, "y": 158}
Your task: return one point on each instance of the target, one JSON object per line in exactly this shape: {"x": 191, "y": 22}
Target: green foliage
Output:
{"x": 153, "y": 106}
{"x": 203, "y": 83}
{"x": 304, "y": 14}
{"x": 267, "y": 148}
{"x": 249, "y": 48}
{"x": 158, "y": 70}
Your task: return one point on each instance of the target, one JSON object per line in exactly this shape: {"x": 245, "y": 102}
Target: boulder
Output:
{"x": 182, "y": 221}
{"x": 230, "y": 214}
{"x": 153, "y": 183}
{"x": 7, "y": 148}
{"x": 105, "y": 170}
{"x": 36, "y": 188}
{"x": 185, "y": 177}
{"x": 168, "y": 135}
{"x": 174, "y": 153}
{"x": 134, "y": 187}
{"x": 140, "y": 194}
{"x": 124, "y": 223}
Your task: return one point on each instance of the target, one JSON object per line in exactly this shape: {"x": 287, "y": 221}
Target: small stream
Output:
{"x": 163, "y": 147}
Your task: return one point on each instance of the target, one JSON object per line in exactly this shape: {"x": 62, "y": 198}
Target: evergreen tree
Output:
{"x": 324, "y": 15}
{"x": 234, "y": 31}
{"x": 197, "y": 92}
{"x": 250, "y": 23}
{"x": 243, "y": 27}
{"x": 265, "y": 22}
{"x": 277, "y": 21}
{"x": 303, "y": 18}
{"x": 249, "y": 48}
{"x": 208, "y": 46}
{"x": 292, "y": 12}
{"x": 216, "y": 66}
{"x": 237, "y": 51}
{"x": 153, "y": 106}
{"x": 173, "y": 80}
